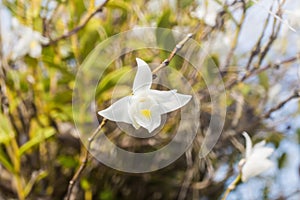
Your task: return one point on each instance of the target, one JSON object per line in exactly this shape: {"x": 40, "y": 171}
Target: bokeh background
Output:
{"x": 255, "y": 45}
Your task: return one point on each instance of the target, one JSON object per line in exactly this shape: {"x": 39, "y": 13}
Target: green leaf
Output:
{"x": 249, "y": 4}
{"x": 106, "y": 194}
{"x": 185, "y": 3}
{"x": 275, "y": 138}
{"x": 5, "y": 162}
{"x": 90, "y": 37}
{"x": 119, "y": 4}
{"x": 264, "y": 80}
{"x": 282, "y": 160}
{"x": 42, "y": 135}
{"x": 36, "y": 177}
{"x": 6, "y": 131}
{"x": 85, "y": 184}
{"x": 164, "y": 37}
{"x": 67, "y": 161}
{"x": 111, "y": 79}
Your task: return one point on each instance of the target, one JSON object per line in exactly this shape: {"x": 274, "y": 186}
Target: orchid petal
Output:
{"x": 143, "y": 77}
{"x": 36, "y": 50}
{"x": 118, "y": 111}
{"x": 256, "y": 158}
{"x": 153, "y": 121}
{"x": 261, "y": 144}
{"x": 253, "y": 167}
{"x": 262, "y": 152}
{"x": 248, "y": 144}
{"x": 170, "y": 100}
{"x": 132, "y": 113}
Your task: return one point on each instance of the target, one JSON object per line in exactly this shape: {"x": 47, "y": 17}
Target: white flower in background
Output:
{"x": 145, "y": 106}
{"x": 207, "y": 11}
{"x": 256, "y": 160}
{"x": 28, "y": 41}
{"x": 293, "y": 17}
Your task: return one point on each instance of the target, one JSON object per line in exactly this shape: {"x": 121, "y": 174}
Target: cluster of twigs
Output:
{"x": 258, "y": 50}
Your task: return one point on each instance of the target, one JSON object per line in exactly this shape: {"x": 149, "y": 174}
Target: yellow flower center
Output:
{"x": 33, "y": 44}
{"x": 146, "y": 113}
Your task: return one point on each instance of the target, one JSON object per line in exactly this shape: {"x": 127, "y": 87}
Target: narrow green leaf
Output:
{"x": 5, "y": 162}
{"x": 111, "y": 79}
{"x": 6, "y": 131}
{"x": 43, "y": 135}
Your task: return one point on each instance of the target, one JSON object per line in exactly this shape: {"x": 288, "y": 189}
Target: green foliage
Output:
{"x": 106, "y": 194}
{"x": 6, "y": 133}
{"x": 111, "y": 79}
{"x": 67, "y": 161}
{"x": 41, "y": 135}
{"x": 39, "y": 154}
{"x": 164, "y": 37}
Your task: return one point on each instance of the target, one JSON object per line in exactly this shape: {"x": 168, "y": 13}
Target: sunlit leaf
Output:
{"x": 42, "y": 135}
{"x": 6, "y": 131}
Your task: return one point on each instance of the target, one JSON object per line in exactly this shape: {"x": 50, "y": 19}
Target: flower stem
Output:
{"x": 232, "y": 186}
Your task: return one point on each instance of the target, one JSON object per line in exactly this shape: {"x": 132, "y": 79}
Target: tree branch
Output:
{"x": 80, "y": 26}
{"x": 236, "y": 36}
{"x": 177, "y": 48}
{"x": 281, "y": 104}
{"x": 255, "y": 71}
{"x": 85, "y": 160}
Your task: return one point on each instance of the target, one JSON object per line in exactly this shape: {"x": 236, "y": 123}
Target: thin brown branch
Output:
{"x": 80, "y": 26}
{"x": 295, "y": 95}
{"x": 274, "y": 34}
{"x": 236, "y": 36}
{"x": 256, "y": 49}
{"x": 255, "y": 71}
{"x": 177, "y": 48}
{"x": 85, "y": 160}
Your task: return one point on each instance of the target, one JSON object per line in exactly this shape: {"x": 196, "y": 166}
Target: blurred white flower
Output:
{"x": 256, "y": 160}
{"x": 145, "y": 106}
{"x": 293, "y": 16}
{"x": 207, "y": 11}
{"x": 28, "y": 41}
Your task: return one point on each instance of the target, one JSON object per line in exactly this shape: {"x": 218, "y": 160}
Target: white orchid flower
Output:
{"x": 256, "y": 160}
{"x": 28, "y": 41}
{"x": 208, "y": 11}
{"x": 145, "y": 106}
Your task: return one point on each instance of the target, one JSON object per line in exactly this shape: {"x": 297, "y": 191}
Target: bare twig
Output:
{"x": 285, "y": 22}
{"x": 186, "y": 183}
{"x": 256, "y": 49}
{"x": 177, "y": 48}
{"x": 295, "y": 95}
{"x": 188, "y": 175}
{"x": 255, "y": 71}
{"x": 236, "y": 36}
{"x": 85, "y": 159}
{"x": 80, "y": 26}
{"x": 275, "y": 31}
